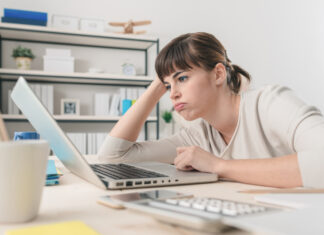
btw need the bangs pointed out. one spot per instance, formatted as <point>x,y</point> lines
<point>177,55</point>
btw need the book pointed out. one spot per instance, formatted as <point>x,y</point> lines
<point>114,106</point>
<point>23,14</point>
<point>52,175</point>
<point>126,104</point>
<point>100,139</point>
<point>50,98</point>
<point>23,21</point>
<point>12,107</point>
<point>101,104</point>
<point>79,140</point>
<point>123,96</point>
<point>44,95</point>
<point>63,228</point>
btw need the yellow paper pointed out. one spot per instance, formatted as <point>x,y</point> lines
<point>65,228</point>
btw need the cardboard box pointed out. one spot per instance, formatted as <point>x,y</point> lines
<point>65,22</point>
<point>58,64</point>
<point>92,25</point>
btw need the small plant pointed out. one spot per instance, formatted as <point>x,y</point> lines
<point>22,52</point>
<point>167,116</point>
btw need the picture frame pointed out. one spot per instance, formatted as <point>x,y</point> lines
<point>70,107</point>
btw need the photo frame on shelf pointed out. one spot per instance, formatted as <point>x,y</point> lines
<point>70,107</point>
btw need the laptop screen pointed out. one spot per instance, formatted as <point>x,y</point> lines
<point>47,127</point>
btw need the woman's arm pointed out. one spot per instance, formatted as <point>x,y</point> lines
<point>131,123</point>
<point>282,172</point>
<point>273,172</point>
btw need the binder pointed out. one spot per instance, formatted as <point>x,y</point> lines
<point>23,21</point>
<point>23,14</point>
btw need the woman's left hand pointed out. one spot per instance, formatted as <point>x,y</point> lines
<point>193,157</point>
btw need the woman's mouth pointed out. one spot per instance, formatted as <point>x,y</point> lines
<point>179,106</point>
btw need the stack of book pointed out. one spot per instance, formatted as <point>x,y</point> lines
<point>94,142</point>
<point>46,94</point>
<point>90,143</point>
<point>52,174</point>
<point>79,140</point>
<point>116,104</point>
<point>24,17</point>
<point>128,97</point>
<point>87,143</point>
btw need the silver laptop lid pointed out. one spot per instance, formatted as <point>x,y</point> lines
<point>46,126</point>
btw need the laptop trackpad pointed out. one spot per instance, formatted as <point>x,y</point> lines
<point>166,169</point>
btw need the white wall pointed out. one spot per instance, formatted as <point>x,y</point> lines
<point>277,41</point>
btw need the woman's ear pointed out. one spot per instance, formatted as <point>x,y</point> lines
<point>220,74</point>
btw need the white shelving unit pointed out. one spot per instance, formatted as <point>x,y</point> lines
<point>86,118</point>
<point>79,78</point>
<point>47,35</point>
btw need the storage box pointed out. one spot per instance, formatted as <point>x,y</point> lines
<point>58,52</point>
<point>65,22</point>
<point>26,15</point>
<point>92,25</point>
<point>59,64</point>
<point>23,21</point>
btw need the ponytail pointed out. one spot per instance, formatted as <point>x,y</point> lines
<point>234,78</point>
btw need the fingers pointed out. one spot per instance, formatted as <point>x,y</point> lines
<point>182,161</point>
<point>181,149</point>
<point>179,157</point>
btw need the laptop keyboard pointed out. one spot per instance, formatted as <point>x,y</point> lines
<point>123,171</point>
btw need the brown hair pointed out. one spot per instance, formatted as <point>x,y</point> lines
<point>201,50</point>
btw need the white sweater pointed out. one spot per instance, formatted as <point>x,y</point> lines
<point>272,122</point>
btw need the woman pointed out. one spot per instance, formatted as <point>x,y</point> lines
<point>266,136</point>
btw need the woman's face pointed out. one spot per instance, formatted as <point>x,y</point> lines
<point>192,92</point>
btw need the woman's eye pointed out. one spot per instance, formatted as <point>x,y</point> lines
<point>168,87</point>
<point>183,78</point>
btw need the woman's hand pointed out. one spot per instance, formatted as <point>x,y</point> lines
<point>193,157</point>
<point>158,85</point>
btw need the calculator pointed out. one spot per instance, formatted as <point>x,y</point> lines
<point>199,213</point>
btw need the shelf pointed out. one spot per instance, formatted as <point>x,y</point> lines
<point>20,32</point>
<point>88,78</point>
<point>71,118</point>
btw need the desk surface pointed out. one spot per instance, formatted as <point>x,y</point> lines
<point>75,199</point>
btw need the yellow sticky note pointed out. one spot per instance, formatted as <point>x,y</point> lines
<point>65,228</point>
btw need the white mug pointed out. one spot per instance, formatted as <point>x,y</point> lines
<point>22,178</point>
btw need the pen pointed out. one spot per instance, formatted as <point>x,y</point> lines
<point>288,190</point>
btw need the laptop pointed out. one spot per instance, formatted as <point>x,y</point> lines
<point>106,176</point>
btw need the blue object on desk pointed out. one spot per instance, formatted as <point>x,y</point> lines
<point>51,168</point>
<point>52,176</point>
<point>26,136</point>
<point>22,14</point>
<point>126,104</point>
<point>23,21</point>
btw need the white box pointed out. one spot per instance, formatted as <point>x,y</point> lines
<point>65,22</point>
<point>58,52</point>
<point>59,64</point>
<point>92,25</point>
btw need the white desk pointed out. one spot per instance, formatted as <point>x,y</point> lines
<point>75,199</point>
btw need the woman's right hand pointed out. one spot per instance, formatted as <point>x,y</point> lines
<point>131,123</point>
<point>159,86</point>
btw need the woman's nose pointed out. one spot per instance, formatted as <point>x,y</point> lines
<point>174,93</point>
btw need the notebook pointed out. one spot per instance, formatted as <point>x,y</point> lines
<point>293,200</point>
<point>64,228</point>
<point>107,176</point>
